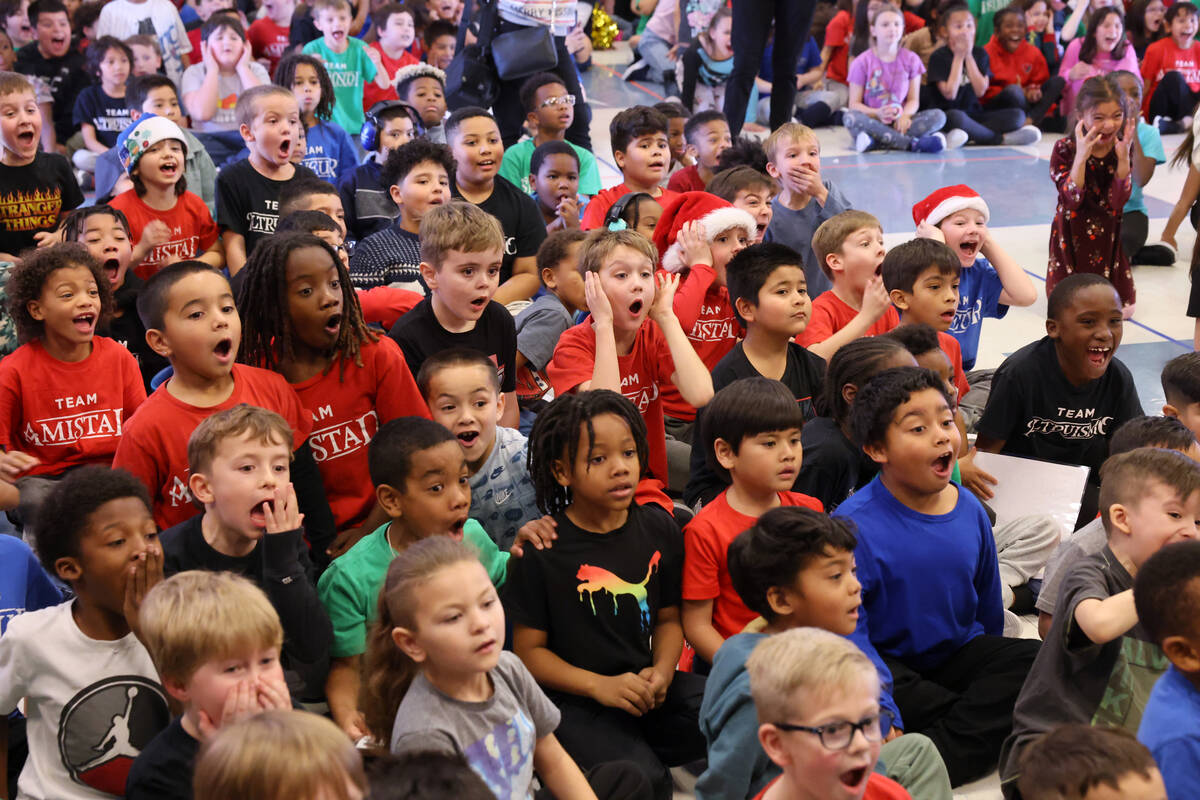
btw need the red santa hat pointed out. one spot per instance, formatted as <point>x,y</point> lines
<point>946,201</point>
<point>714,214</point>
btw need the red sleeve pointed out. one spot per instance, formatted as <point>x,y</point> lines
<point>805,501</point>
<point>690,294</point>
<point>597,207</point>
<point>574,359</point>
<point>701,567</point>
<point>1151,64</point>
<point>396,392</point>
<point>838,29</point>
<point>953,351</point>
<point>10,397</point>
<point>134,451</point>
<point>660,354</point>
<point>822,325</point>
<point>131,375</point>
<point>263,386</point>
<point>206,228</point>
<point>384,305</point>
<point>912,22</point>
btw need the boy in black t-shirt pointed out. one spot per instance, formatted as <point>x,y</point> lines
<point>596,617</point>
<point>51,58</point>
<point>770,299</point>
<point>474,139</point>
<point>37,186</point>
<point>248,190</point>
<point>461,249</point>
<point>1060,398</point>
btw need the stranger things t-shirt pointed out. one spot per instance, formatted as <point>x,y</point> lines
<point>597,595</point>
<point>248,201</point>
<point>32,197</point>
<point>1039,414</point>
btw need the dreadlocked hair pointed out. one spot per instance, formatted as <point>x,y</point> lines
<point>557,436</point>
<point>267,336</point>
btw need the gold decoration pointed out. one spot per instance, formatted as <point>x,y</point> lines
<point>604,29</point>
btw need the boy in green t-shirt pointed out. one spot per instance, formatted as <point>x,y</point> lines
<point>550,110</point>
<point>349,62</point>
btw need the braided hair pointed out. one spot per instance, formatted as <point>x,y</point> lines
<point>556,435</point>
<point>267,335</point>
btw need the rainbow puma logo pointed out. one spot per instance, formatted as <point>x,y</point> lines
<point>595,580</point>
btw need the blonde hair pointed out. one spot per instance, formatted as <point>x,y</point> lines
<point>259,424</point>
<point>787,133</point>
<point>198,616</point>
<point>14,83</point>
<point>275,755</point>
<point>600,244</point>
<point>387,670</point>
<point>832,233</point>
<point>249,101</point>
<point>336,5</point>
<point>812,659</point>
<point>461,226</point>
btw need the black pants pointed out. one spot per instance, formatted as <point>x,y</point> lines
<point>965,705</point>
<point>1012,96</point>
<point>510,114</point>
<point>751,25</point>
<point>986,127</point>
<point>613,780</point>
<point>1135,229</point>
<point>669,736</point>
<point>1172,98</point>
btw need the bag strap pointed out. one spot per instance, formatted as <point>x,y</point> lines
<point>487,24</point>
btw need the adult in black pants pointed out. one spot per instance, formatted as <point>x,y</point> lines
<point>751,26</point>
<point>510,113</point>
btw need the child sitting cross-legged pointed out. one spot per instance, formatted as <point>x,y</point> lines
<point>751,436</point>
<point>770,299</point>
<point>427,698</point>
<point>417,177</point>
<point>596,617</point>
<point>1082,762</point>
<point>65,393</point>
<point>795,568</point>
<point>633,344</point>
<point>815,693</point>
<point>90,712</point>
<point>421,482</point>
<point>215,640</point>
<point>303,321</point>
<point>849,249</point>
<point>239,469</point>
<point>462,389</point>
<point>643,154</point>
<point>956,677</point>
<point>1149,497</point>
<point>1164,593</point>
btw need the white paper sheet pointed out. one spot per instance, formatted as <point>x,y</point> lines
<point>1027,487</point>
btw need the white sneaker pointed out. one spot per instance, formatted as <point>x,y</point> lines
<point>635,71</point>
<point>862,142</point>
<point>956,138</point>
<point>1024,135</point>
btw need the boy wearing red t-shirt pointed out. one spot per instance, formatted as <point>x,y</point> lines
<point>396,31</point>
<point>643,154</point>
<point>849,248</point>
<point>633,344</point>
<point>268,35</point>
<point>1171,72</point>
<point>751,436</point>
<point>697,235</point>
<point>191,320</point>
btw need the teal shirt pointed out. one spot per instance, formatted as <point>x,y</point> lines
<point>515,167</point>
<point>1152,147</point>
<point>349,72</point>
<point>349,588</point>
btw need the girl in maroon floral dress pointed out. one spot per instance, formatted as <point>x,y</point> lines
<point>1091,171</point>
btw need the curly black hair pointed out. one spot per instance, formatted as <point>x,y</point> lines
<point>556,435</point>
<point>63,517</point>
<point>285,76</point>
<point>745,151</point>
<point>27,279</point>
<point>267,337</point>
<point>876,403</point>
<point>404,158</point>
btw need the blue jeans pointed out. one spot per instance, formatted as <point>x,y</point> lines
<point>653,50</point>
<point>885,137</point>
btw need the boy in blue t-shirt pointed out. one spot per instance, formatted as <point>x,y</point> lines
<point>1165,592</point>
<point>991,279</point>
<point>930,581</point>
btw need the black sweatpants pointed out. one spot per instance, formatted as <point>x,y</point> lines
<point>510,114</point>
<point>965,705</point>
<point>668,736</point>
<point>1172,98</point>
<point>612,780</point>
<point>1012,96</point>
<point>751,24</point>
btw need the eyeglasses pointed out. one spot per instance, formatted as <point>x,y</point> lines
<point>566,99</point>
<point>839,735</point>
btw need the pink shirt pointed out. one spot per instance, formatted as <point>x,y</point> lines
<point>1102,64</point>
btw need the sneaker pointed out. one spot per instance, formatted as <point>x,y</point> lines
<point>931,143</point>
<point>956,138</point>
<point>1026,134</point>
<point>1154,255</point>
<point>863,142</point>
<point>636,71</point>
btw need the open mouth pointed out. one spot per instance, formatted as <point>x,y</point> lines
<point>84,323</point>
<point>1098,354</point>
<point>486,647</point>
<point>486,163</point>
<point>468,438</point>
<point>258,514</point>
<point>636,307</point>
<point>948,316</point>
<point>656,165</point>
<point>456,528</point>
<point>853,778</point>
<point>479,303</point>
<point>943,464</point>
<point>760,230</point>
<point>27,138</point>
<point>285,148</point>
<point>224,349</point>
<point>112,268</point>
<point>333,325</point>
<point>168,169</point>
<point>622,491</point>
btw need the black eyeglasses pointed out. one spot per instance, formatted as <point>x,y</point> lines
<point>839,735</point>
<point>566,99</point>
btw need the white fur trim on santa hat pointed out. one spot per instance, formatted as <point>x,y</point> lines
<point>954,204</point>
<point>715,223</point>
